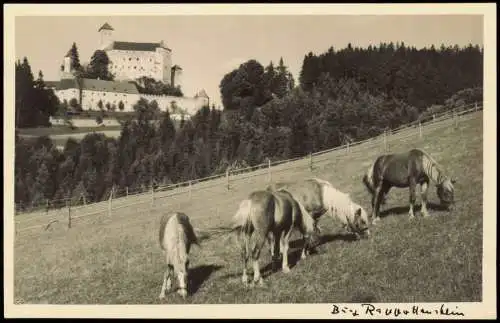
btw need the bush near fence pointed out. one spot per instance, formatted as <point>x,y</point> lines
<point>69,210</point>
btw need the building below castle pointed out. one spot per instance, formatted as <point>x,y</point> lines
<point>129,61</point>
<point>121,96</point>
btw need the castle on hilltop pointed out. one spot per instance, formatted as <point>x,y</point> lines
<point>129,61</point>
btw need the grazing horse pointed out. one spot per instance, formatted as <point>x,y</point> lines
<point>403,170</point>
<point>319,197</point>
<point>176,237</point>
<point>272,217</point>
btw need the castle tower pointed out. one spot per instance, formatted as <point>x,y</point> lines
<point>66,67</point>
<point>106,32</point>
<point>176,76</point>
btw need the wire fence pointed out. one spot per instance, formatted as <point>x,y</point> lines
<point>182,193</point>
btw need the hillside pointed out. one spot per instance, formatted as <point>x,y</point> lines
<point>117,260</point>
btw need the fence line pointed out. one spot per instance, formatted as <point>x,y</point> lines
<point>416,128</point>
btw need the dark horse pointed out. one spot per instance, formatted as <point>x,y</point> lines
<point>403,170</point>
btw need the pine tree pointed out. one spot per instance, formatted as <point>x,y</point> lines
<point>75,58</point>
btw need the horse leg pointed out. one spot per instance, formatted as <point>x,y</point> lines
<point>271,241</point>
<point>167,281</point>
<point>423,188</point>
<point>244,257</point>
<point>259,243</point>
<point>284,250</point>
<point>181,276</point>
<point>305,250</point>
<point>412,189</point>
<point>376,206</point>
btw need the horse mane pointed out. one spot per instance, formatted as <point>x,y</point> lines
<point>339,201</point>
<point>438,178</point>
<point>431,158</point>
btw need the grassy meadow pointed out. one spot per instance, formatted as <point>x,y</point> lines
<point>117,259</point>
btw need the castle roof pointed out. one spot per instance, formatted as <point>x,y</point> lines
<point>132,46</point>
<point>98,85</point>
<point>51,84</point>
<point>106,26</point>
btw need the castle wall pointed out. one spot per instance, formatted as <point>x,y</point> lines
<point>131,65</point>
<point>91,98</point>
<point>67,94</point>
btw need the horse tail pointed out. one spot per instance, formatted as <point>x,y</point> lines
<point>307,220</point>
<point>163,223</point>
<point>242,216</point>
<point>431,168</point>
<point>243,223</point>
<point>368,179</point>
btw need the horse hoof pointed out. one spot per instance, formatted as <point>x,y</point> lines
<point>286,270</point>
<point>261,283</point>
<point>161,297</point>
<point>182,293</point>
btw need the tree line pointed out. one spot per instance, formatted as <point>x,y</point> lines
<point>265,116</point>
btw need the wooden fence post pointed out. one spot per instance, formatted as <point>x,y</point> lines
<point>227,179</point>
<point>152,196</point>
<point>190,190</point>
<point>420,129</point>
<point>310,161</point>
<point>455,116</point>
<point>126,190</point>
<point>68,205</point>
<point>110,201</point>
<point>269,175</point>
<point>475,106</point>
<point>47,206</point>
<point>347,147</point>
<point>433,117</point>
<point>84,199</point>
<point>385,140</point>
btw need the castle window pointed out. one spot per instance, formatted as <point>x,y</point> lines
<point>130,58</point>
<point>137,58</point>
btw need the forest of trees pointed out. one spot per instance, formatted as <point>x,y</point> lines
<point>345,95</point>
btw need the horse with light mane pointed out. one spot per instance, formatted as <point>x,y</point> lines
<point>320,196</point>
<point>407,169</point>
<point>176,238</point>
<point>272,217</point>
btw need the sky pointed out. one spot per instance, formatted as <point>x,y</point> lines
<point>209,46</point>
